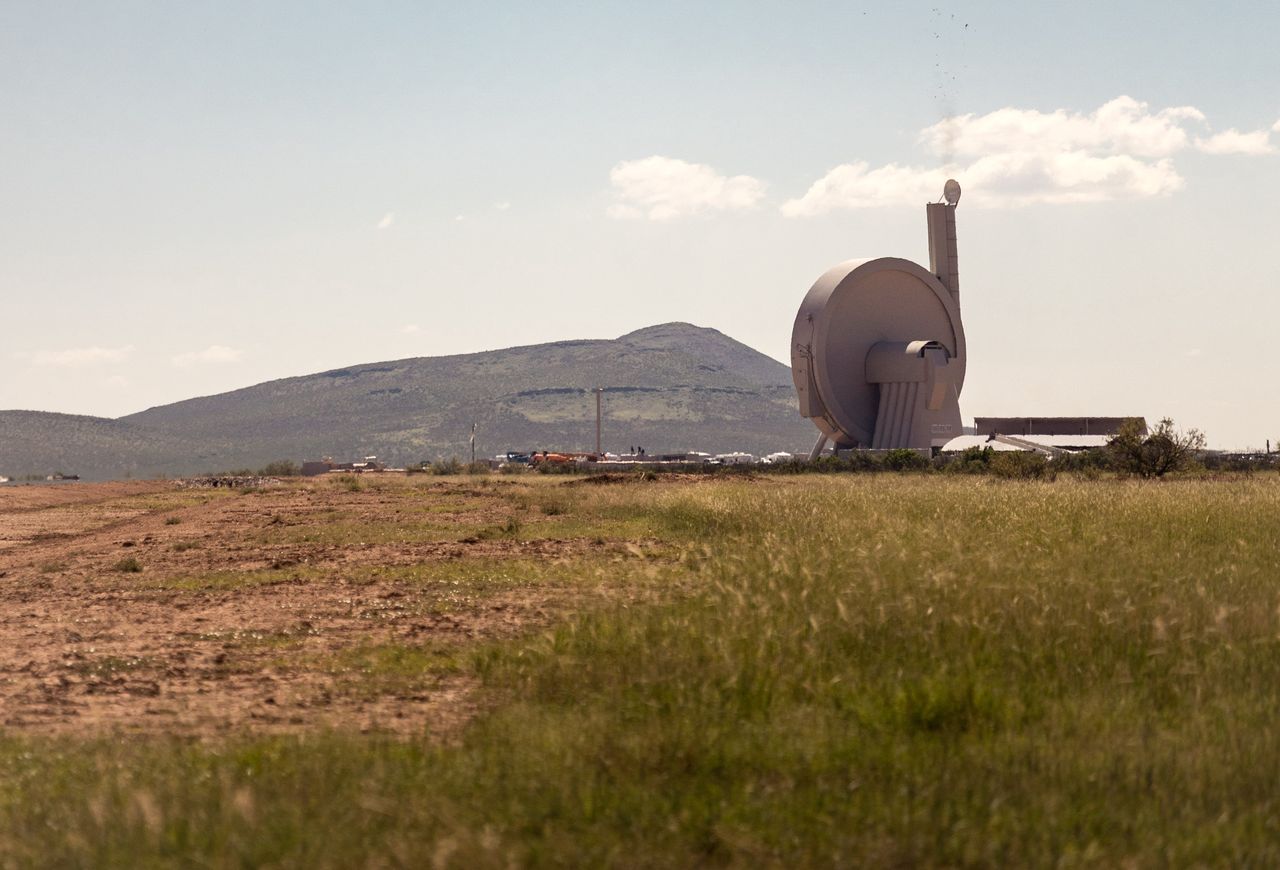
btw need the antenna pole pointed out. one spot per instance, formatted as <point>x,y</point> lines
<point>943,260</point>
<point>598,391</point>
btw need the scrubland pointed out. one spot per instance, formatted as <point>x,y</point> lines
<point>867,670</point>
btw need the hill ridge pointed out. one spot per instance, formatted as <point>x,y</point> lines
<point>672,386</point>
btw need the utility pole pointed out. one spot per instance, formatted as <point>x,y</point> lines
<point>598,391</point>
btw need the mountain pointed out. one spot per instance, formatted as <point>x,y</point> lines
<point>38,442</point>
<point>672,387</point>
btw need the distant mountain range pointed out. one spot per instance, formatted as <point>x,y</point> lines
<point>673,387</point>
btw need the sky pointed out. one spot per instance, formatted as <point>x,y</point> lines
<point>200,197</point>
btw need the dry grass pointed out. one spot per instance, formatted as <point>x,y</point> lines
<point>850,671</point>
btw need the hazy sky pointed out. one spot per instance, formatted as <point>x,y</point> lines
<point>198,197</point>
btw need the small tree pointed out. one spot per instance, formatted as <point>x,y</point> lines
<point>1135,451</point>
<point>280,468</point>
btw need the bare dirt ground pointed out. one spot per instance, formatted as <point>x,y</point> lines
<point>143,606</point>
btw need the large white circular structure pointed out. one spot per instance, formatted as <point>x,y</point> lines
<point>878,349</point>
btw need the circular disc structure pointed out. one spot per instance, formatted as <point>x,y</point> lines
<point>849,310</point>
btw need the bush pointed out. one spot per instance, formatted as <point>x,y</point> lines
<point>508,529</point>
<point>905,459</point>
<point>557,468</point>
<point>974,460</point>
<point>129,565</point>
<point>826,462</point>
<point>452,465</point>
<point>280,468</point>
<point>1244,464</point>
<point>477,467</point>
<point>1165,449</point>
<point>1020,465</point>
<point>1089,463</point>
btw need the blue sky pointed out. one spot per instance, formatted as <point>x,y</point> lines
<point>195,198</point>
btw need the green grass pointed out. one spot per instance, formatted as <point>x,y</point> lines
<point>440,584</point>
<point>372,670</point>
<point>852,671</point>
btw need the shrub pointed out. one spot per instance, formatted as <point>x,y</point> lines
<point>826,462</point>
<point>1245,464</point>
<point>904,459</point>
<point>1020,465</point>
<point>788,466</point>
<point>129,565</point>
<point>1165,449</point>
<point>974,460</point>
<point>280,468</point>
<point>452,465</point>
<point>557,467</point>
<point>509,529</point>
<point>477,467</point>
<point>1089,463</point>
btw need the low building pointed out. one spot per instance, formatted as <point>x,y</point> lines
<point>314,467</point>
<point>323,466</point>
<point>1050,445</point>
<point>1019,426</point>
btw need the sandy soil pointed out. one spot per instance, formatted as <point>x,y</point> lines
<point>246,613</point>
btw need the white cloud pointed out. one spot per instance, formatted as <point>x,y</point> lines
<point>77,357</point>
<point>856,185</point>
<point>1010,180</point>
<point>1013,157</point>
<point>502,206</point>
<point>661,188</point>
<point>1073,176</point>
<point>387,220</point>
<point>459,217</point>
<point>214,354</point>
<point>1234,142</point>
<point>1276,127</point>
<point>1121,126</point>
<point>409,329</point>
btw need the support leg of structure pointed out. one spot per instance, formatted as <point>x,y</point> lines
<point>817,448</point>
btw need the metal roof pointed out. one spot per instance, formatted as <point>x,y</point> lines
<point>1060,442</point>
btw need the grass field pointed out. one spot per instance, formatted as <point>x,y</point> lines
<point>887,670</point>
